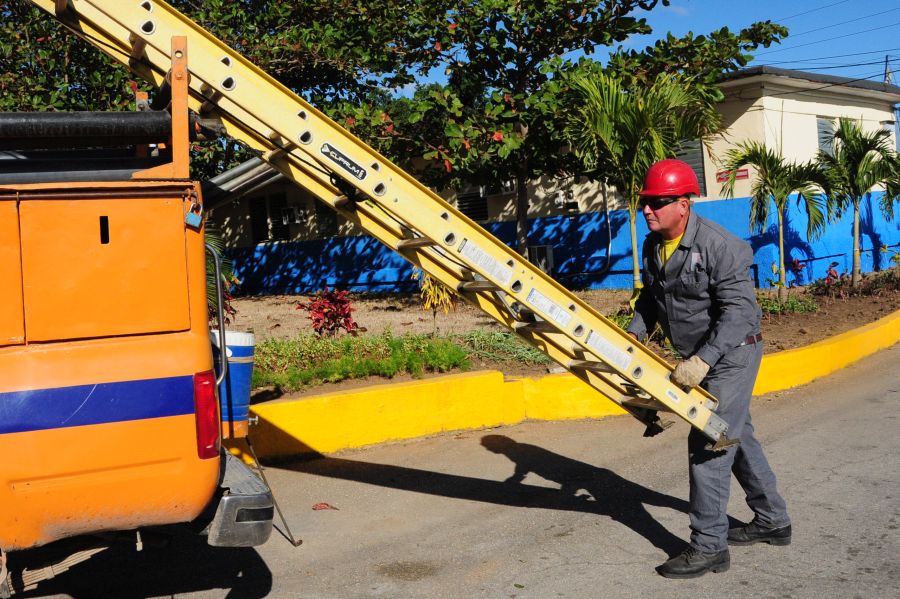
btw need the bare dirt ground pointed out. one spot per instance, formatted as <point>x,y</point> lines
<point>278,316</point>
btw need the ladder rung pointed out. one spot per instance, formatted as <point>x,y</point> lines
<point>654,427</point>
<point>524,313</point>
<point>273,155</point>
<point>477,286</point>
<point>211,96</point>
<point>418,242</point>
<point>645,402</point>
<point>138,45</point>
<point>635,391</point>
<point>538,326</point>
<point>278,151</point>
<point>341,201</point>
<point>590,365</point>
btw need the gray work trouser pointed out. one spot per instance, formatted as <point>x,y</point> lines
<point>731,382</point>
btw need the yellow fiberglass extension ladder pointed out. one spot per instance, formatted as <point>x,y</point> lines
<point>342,171</point>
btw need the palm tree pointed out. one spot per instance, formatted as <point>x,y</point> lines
<point>617,133</point>
<point>776,180</point>
<point>213,237</point>
<point>859,162</point>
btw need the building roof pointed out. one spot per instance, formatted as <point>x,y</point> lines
<point>815,78</point>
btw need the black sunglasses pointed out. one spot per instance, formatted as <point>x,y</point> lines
<point>657,202</point>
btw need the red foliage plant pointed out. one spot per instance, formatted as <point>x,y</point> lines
<point>330,311</point>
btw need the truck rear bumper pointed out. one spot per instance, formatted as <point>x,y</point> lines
<point>246,508</point>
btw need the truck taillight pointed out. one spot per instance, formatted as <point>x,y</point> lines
<point>206,411</point>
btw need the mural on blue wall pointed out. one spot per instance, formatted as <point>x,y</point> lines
<point>579,245</point>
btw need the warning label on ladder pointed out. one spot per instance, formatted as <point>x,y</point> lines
<point>486,262</point>
<point>543,303</point>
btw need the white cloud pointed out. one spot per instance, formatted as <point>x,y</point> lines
<point>681,11</point>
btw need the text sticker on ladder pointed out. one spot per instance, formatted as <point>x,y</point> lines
<point>487,263</point>
<point>609,352</point>
<point>557,313</point>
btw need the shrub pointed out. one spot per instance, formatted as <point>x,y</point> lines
<point>330,311</point>
<point>435,295</point>
<point>873,283</point>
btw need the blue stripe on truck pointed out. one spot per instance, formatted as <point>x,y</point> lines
<point>42,409</point>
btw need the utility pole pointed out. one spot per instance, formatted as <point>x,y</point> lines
<point>889,79</point>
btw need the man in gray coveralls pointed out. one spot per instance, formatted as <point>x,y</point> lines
<point>697,286</point>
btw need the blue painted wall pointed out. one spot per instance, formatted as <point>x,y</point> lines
<point>579,247</point>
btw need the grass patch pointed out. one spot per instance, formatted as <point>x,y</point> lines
<point>501,347</point>
<point>769,304</point>
<point>292,364</point>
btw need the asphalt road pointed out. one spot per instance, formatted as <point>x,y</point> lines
<point>564,509</point>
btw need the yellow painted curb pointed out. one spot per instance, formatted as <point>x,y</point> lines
<point>355,418</point>
<point>564,397</point>
<point>358,417</point>
<point>793,367</point>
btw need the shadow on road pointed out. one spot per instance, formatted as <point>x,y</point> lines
<point>605,492</point>
<point>583,487</point>
<point>172,562</point>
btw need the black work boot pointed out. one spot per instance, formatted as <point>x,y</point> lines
<point>754,533</point>
<point>693,563</point>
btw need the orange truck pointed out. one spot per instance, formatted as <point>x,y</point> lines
<point>109,417</point>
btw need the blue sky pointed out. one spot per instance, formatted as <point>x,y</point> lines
<point>826,36</point>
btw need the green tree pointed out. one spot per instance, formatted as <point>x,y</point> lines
<point>43,68</point>
<point>618,133</point>
<point>703,57</point>
<point>859,162</point>
<point>776,180</point>
<point>498,116</point>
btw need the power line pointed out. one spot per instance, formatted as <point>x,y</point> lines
<point>837,37</point>
<point>842,83</point>
<point>793,35</point>
<point>839,66</point>
<point>811,10</point>
<point>882,51</point>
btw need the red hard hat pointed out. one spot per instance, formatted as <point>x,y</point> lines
<point>670,178</point>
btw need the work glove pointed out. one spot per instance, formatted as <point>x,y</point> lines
<point>690,373</point>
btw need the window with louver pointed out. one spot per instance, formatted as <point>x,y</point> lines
<point>473,205</point>
<point>692,153</point>
<point>825,133</point>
